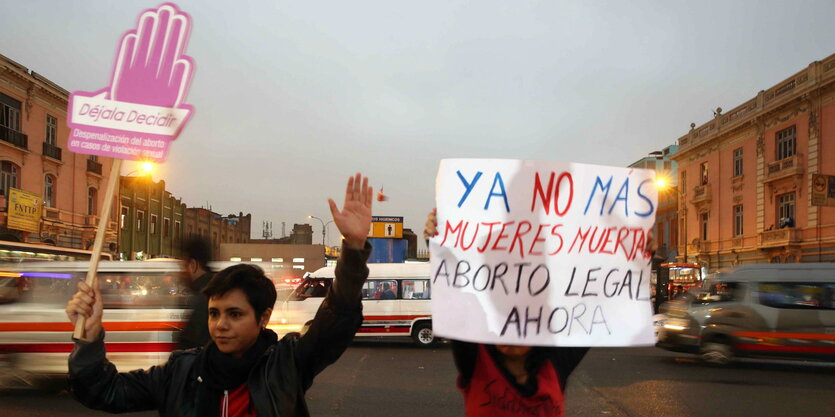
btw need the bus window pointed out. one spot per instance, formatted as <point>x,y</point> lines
<point>379,289</point>
<point>416,289</point>
<point>146,290</point>
<point>312,288</point>
<point>32,287</point>
<point>797,295</point>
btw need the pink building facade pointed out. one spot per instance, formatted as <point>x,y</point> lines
<point>34,157</point>
<point>745,177</point>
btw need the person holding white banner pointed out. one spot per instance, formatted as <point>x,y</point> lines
<point>513,380</point>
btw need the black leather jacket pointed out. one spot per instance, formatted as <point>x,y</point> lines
<point>276,384</point>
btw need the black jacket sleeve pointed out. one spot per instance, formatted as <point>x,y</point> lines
<point>97,384</point>
<point>464,354</point>
<point>565,360</point>
<point>338,318</point>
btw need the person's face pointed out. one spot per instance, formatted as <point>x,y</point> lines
<point>188,270</point>
<point>232,322</point>
<point>513,351</point>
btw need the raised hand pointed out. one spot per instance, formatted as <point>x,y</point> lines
<point>151,65</point>
<point>430,228</point>
<point>354,220</point>
<point>87,302</point>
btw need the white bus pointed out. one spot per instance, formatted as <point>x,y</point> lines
<point>395,300</point>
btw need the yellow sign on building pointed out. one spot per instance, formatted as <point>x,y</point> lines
<point>386,227</point>
<point>823,190</point>
<point>24,211</point>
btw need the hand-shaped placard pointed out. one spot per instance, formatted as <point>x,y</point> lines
<point>142,110</point>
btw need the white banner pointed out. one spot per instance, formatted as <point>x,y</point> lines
<point>132,117</point>
<point>542,253</point>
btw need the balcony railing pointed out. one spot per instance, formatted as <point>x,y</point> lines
<point>701,194</point>
<point>93,166</point>
<point>779,237</point>
<point>783,168</point>
<point>51,151</point>
<point>14,137</point>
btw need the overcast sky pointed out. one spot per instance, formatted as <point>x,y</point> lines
<point>291,97</point>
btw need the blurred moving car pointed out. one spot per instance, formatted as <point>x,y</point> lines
<point>767,310</point>
<point>395,302</point>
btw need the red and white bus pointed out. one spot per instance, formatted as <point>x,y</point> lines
<point>395,302</point>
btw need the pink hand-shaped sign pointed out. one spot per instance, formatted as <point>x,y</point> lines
<point>142,110</point>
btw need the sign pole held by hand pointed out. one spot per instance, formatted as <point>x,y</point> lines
<point>115,173</point>
<point>141,112</point>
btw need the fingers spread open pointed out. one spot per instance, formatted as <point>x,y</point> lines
<point>357,185</point>
<point>349,190</point>
<point>334,208</point>
<point>363,190</point>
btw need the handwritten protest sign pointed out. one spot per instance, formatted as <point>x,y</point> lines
<point>542,253</point>
<point>142,110</point>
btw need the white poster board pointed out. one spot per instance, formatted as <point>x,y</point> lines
<point>542,253</point>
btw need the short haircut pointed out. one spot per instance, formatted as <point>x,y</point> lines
<point>258,289</point>
<point>199,249</point>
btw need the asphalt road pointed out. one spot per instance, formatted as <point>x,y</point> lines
<point>397,379</point>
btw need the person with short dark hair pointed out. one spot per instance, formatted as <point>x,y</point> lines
<point>387,293</point>
<point>245,370</point>
<point>195,274</point>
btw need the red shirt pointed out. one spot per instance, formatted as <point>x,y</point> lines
<point>490,394</point>
<point>236,403</point>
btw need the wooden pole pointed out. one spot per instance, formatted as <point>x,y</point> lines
<point>115,172</point>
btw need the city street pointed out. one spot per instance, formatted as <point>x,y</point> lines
<point>397,379</point>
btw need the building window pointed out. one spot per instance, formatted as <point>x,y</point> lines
<point>93,158</point>
<point>737,162</point>
<point>9,112</point>
<point>123,218</point>
<point>704,218</point>
<point>683,180</point>
<point>91,200</point>
<point>140,218</point>
<point>703,174</point>
<point>51,130</point>
<point>738,220</point>
<point>153,224</point>
<point>786,143</point>
<point>166,227</point>
<point>785,210</point>
<point>49,190</point>
<point>8,177</point>
<point>668,166</point>
<point>177,230</point>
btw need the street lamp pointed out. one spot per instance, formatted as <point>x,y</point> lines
<point>324,226</point>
